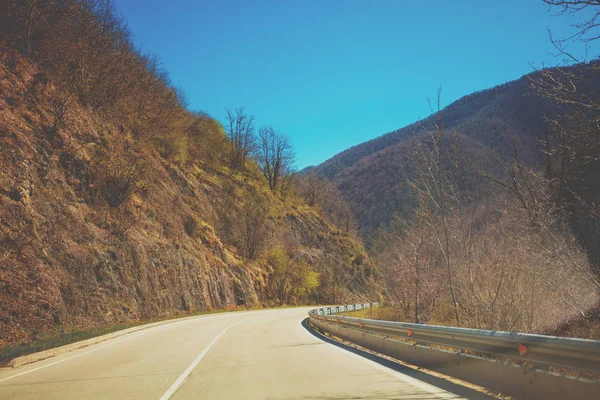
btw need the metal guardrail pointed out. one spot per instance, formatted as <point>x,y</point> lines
<point>417,339</point>
<point>570,353</point>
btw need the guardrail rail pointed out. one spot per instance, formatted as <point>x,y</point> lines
<point>516,364</point>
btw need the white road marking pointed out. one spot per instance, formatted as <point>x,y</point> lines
<point>75,356</point>
<point>439,393</point>
<point>127,337</point>
<point>171,391</point>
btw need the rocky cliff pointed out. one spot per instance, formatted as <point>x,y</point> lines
<point>72,256</point>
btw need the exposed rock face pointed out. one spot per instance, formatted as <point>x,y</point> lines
<point>62,261</point>
<point>68,259</point>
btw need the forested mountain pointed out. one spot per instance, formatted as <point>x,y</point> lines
<point>372,176</point>
<point>486,213</point>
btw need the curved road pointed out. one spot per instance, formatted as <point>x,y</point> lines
<point>266,354</point>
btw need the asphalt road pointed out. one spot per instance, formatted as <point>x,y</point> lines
<point>266,354</point>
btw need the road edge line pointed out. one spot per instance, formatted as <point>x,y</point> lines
<point>57,351</point>
<point>72,357</point>
<point>438,392</point>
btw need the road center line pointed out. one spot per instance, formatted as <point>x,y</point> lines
<point>171,391</point>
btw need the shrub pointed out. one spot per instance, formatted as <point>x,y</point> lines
<point>118,176</point>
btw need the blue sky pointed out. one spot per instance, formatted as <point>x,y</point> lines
<point>334,73</point>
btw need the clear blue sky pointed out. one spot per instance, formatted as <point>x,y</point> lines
<point>335,73</point>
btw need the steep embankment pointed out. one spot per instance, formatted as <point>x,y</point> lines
<point>71,257</point>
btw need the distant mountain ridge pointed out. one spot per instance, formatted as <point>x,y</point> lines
<point>370,175</point>
<point>452,116</point>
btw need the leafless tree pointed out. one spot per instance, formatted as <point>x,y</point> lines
<point>312,188</point>
<point>90,49</point>
<point>240,130</point>
<point>59,103</point>
<point>408,269</point>
<point>318,192</point>
<point>585,31</point>
<point>542,219</point>
<point>437,193</point>
<point>255,212</point>
<point>275,155</point>
<point>30,19</point>
<point>207,138</point>
<point>570,149</point>
<point>289,186</point>
<point>119,174</point>
<point>343,216</point>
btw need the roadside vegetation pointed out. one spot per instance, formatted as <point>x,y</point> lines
<point>524,256</point>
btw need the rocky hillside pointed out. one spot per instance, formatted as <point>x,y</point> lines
<point>98,226</point>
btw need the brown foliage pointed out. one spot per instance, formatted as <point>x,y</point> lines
<point>119,174</point>
<point>253,229</point>
<point>206,139</point>
<point>508,263</point>
<point>321,194</point>
<point>240,130</point>
<point>86,46</point>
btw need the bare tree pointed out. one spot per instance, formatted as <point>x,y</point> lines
<point>585,31</point>
<point>254,225</point>
<point>120,173</point>
<point>542,218</point>
<point>59,103</point>
<point>240,130</point>
<point>275,155</point>
<point>571,145</point>
<point>408,271</point>
<point>289,186</point>
<point>226,211</point>
<point>343,216</point>
<point>437,193</point>
<point>312,188</point>
<point>318,192</point>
